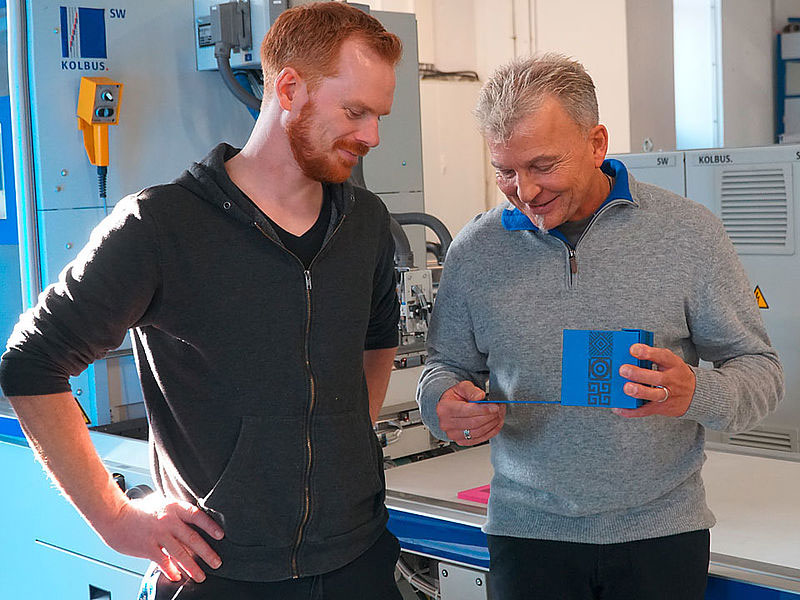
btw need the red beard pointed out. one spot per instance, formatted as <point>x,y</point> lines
<point>316,163</point>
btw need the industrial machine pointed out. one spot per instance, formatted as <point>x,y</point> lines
<point>664,169</point>
<point>186,88</point>
<point>175,109</point>
<point>73,61</point>
<point>399,426</point>
<point>753,191</point>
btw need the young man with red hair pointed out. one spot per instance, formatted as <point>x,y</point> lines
<point>259,286</point>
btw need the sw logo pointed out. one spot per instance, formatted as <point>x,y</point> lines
<point>83,36</point>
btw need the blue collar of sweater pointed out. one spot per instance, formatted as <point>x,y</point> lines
<point>513,219</point>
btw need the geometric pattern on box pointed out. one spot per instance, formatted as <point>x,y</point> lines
<point>590,363</point>
<point>601,346</point>
<point>601,343</point>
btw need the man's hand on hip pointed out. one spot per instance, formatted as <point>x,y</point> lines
<point>465,422</point>
<point>669,389</point>
<point>165,537</point>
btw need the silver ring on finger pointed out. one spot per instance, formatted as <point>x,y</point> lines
<point>666,393</point>
<point>467,434</point>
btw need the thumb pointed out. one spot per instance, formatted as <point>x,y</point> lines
<point>469,391</point>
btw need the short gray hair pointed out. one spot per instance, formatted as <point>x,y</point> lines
<point>519,88</point>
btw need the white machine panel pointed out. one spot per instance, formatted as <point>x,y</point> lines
<point>170,115</point>
<point>664,169</point>
<point>460,583</point>
<point>63,233</point>
<point>753,191</point>
<point>396,165</point>
<point>262,14</point>
<point>73,562</point>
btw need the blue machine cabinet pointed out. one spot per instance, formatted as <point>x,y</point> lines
<point>11,289</point>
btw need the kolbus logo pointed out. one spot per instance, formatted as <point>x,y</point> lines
<point>83,39</point>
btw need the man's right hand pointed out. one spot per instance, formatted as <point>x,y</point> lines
<point>163,535</point>
<point>459,414</point>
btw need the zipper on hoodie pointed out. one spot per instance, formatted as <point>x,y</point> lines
<point>313,395</point>
<point>572,258</point>
<point>312,401</point>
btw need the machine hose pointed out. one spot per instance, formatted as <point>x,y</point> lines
<point>242,79</point>
<point>403,256</point>
<point>439,228</point>
<point>222,52</point>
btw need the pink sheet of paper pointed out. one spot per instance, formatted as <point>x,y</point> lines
<point>478,494</point>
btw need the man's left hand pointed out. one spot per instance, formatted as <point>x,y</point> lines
<point>675,379</point>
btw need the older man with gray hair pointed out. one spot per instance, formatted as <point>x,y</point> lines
<point>590,503</point>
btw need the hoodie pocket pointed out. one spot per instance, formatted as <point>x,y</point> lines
<point>255,500</point>
<point>349,467</point>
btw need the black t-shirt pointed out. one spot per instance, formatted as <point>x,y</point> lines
<point>306,246</point>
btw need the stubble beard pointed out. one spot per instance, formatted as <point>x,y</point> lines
<point>538,220</point>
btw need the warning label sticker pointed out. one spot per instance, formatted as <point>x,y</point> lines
<point>762,303</point>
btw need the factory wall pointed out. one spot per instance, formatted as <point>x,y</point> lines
<point>651,66</point>
<point>782,10</point>
<point>626,46</point>
<point>748,46</point>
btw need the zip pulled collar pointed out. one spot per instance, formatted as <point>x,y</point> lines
<point>513,219</point>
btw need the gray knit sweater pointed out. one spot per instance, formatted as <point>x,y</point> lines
<point>657,262</point>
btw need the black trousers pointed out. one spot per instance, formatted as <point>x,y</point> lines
<point>370,576</point>
<point>667,568</point>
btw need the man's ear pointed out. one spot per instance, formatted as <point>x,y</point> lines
<point>290,88</point>
<point>598,138</point>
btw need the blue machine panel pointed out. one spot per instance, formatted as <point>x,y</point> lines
<point>8,205</point>
<point>11,289</point>
<point>440,538</point>
<point>725,589</point>
<point>11,431</point>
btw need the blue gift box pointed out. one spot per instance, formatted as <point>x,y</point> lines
<point>590,363</point>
